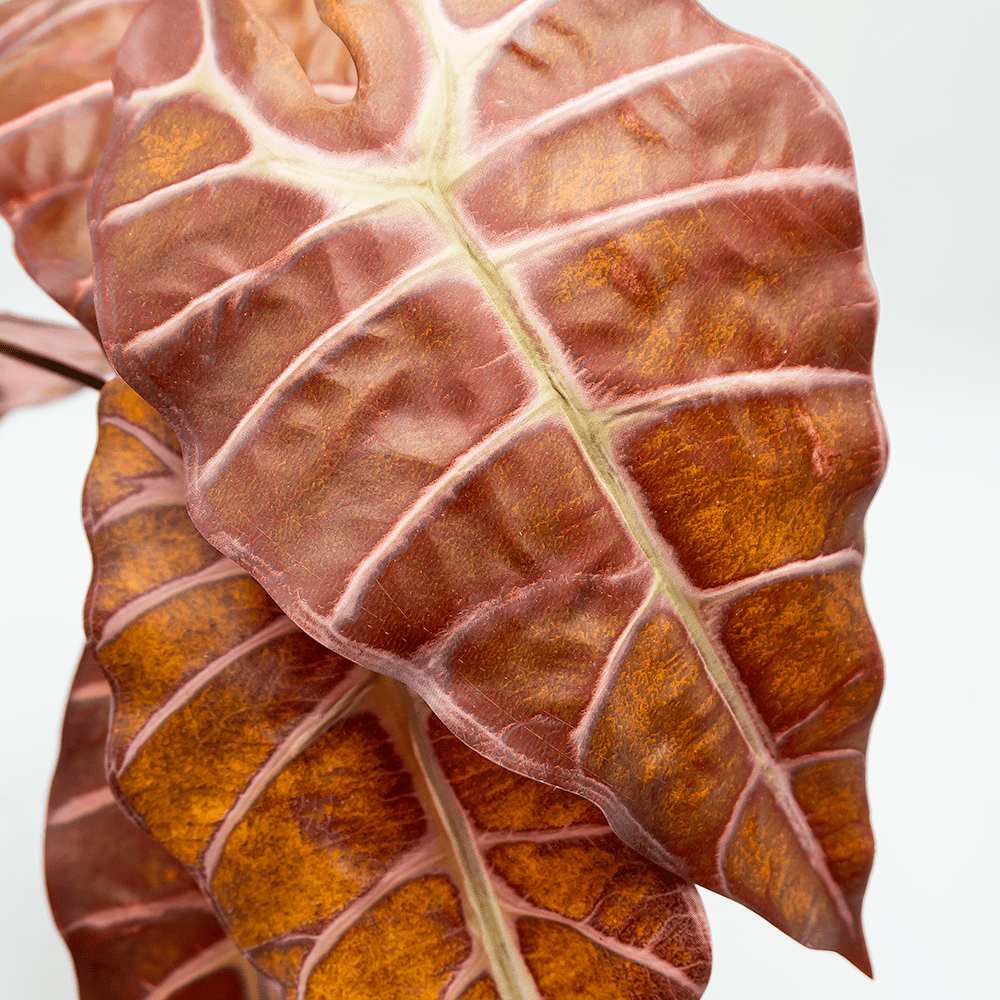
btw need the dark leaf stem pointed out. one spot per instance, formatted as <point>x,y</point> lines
<point>50,364</point>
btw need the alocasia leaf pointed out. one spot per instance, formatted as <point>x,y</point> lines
<point>40,361</point>
<point>354,846</point>
<point>135,922</point>
<point>537,377</point>
<point>56,58</point>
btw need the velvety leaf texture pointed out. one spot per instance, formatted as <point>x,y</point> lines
<point>40,362</point>
<point>536,377</point>
<point>135,922</point>
<point>355,848</point>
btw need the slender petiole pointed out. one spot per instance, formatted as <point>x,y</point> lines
<point>50,364</point>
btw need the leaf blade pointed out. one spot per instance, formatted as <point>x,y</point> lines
<point>337,806</point>
<point>599,270</point>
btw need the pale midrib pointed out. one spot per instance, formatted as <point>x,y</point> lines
<point>510,973</point>
<point>592,436</point>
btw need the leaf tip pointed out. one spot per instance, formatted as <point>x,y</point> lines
<point>857,954</point>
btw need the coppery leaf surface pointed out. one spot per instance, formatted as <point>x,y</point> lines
<point>538,377</point>
<point>356,848</point>
<point>56,59</point>
<point>134,920</point>
<point>23,383</point>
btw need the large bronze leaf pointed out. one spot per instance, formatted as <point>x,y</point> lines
<point>134,921</point>
<point>355,847</point>
<point>56,58</point>
<point>537,377</point>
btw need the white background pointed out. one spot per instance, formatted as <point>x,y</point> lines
<point>917,84</point>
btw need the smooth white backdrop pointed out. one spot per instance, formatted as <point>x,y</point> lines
<point>917,84</point>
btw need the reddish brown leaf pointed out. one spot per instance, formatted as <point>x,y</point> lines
<point>56,58</point>
<point>135,922</point>
<point>537,377</point>
<point>355,847</point>
<point>55,111</point>
<point>40,361</point>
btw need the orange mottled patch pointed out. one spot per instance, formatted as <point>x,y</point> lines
<point>282,680</point>
<point>567,964</point>
<point>498,799</point>
<point>118,400</point>
<point>484,988</point>
<point>666,741</point>
<point>769,871</point>
<point>800,645</point>
<point>176,639</point>
<point>172,548</point>
<point>568,877</point>
<point>281,961</point>
<point>177,141</point>
<point>107,482</point>
<point>700,294</point>
<point>597,880</point>
<point>407,945</point>
<point>742,487</point>
<point>343,812</point>
<point>832,795</point>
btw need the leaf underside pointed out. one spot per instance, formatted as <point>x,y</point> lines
<point>537,377</point>
<point>134,921</point>
<point>354,847</point>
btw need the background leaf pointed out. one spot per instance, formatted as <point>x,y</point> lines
<point>23,382</point>
<point>55,111</point>
<point>549,395</point>
<point>354,846</point>
<point>56,58</point>
<point>134,921</point>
